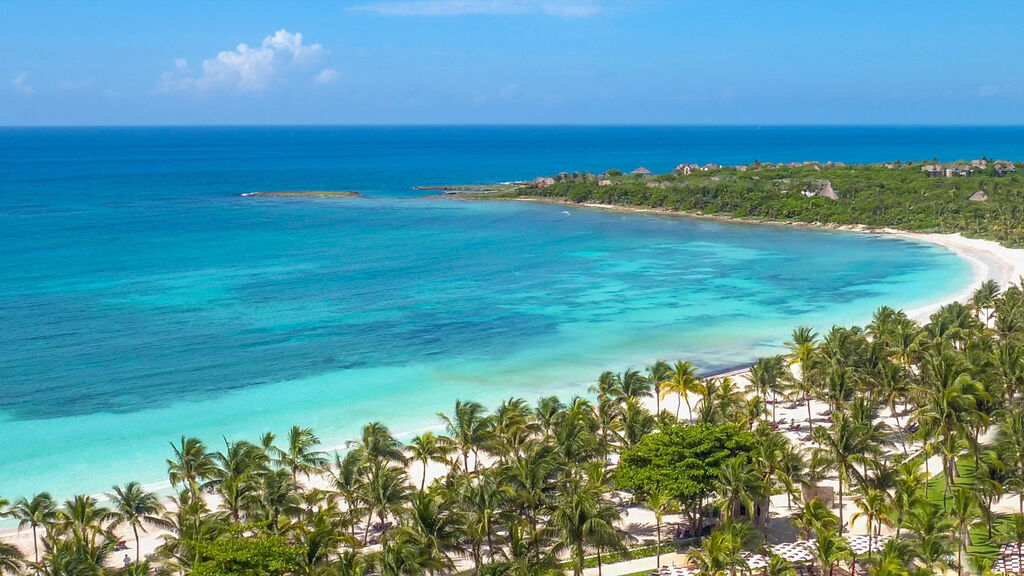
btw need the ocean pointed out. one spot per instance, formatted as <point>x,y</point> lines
<point>143,298</point>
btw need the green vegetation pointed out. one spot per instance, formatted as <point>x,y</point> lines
<point>899,196</point>
<point>240,555</point>
<point>920,429</point>
<point>682,462</point>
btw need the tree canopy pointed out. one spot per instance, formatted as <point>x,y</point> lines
<point>681,460</point>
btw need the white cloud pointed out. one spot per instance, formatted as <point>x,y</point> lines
<point>326,76</point>
<point>561,8</point>
<point>246,69</point>
<point>20,84</point>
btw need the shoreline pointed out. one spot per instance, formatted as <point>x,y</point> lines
<point>988,260</point>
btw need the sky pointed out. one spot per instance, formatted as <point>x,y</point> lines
<point>511,62</point>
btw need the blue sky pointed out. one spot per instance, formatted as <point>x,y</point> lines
<point>511,62</point>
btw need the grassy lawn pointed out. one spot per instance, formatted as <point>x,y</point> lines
<point>981,546</point>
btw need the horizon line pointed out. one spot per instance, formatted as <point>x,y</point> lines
<point>514,125</point>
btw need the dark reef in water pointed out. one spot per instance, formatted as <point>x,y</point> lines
<point>307,194</point>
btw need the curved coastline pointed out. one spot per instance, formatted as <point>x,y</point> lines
<point>988,260</point>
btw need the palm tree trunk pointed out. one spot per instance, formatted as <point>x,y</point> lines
<point>366,533</point>
<point>678,399</point>
<point>35,543</point>
<point>135,531</point>
<point>657,562</point>
<point>423,481</point>
<point>840,504</point>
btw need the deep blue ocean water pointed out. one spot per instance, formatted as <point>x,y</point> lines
<point>144,298</point>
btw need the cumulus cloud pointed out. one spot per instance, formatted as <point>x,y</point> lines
<point>326,76</point>
<point>246,68</point>
<point>20,84</point>
<point>562,8</point>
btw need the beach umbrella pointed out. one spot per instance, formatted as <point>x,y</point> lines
<point>1012,549</point>
<point>1008,565</point>
<point>674,571</point>
<point>799,552</point>
<point>860,543</point>
<point>754,561</point>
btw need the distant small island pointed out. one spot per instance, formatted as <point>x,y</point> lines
<point>980,198</point>
<point>305,194</point>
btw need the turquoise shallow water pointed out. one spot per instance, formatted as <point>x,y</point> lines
<point>145,299</point>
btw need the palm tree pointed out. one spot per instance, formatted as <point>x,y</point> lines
<point>661,503</point>
<point>11,560</point>
<point>531,478</point>
<point>802,347</point>
<point>236,473</point>
<point>519,559</point>
<point>135,507</point>
<point>721,552</point>
<point>469,429</point>
<point>657,374</point>
<point>983,299</point>
<point>40,511</point>
<point>426,448</point>
<point>301,455</point>
<point>683,382</point>
<point>82,517</point>
<point>634,384</point>
<point>739,484</point>
<point>191,463</point>
<point>433,524</point>
<point>829,550</point>
<point>583,520</point>
<point>871,506</point>
<point>779,566</point>
<point>840,447</point>
<point>385,492</point>
<point>1010,443</point>
<point>814,517</point>
<point>766,377</point>
<point>964,512</point>
<point>376,444</point>
<point>637,422</point>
